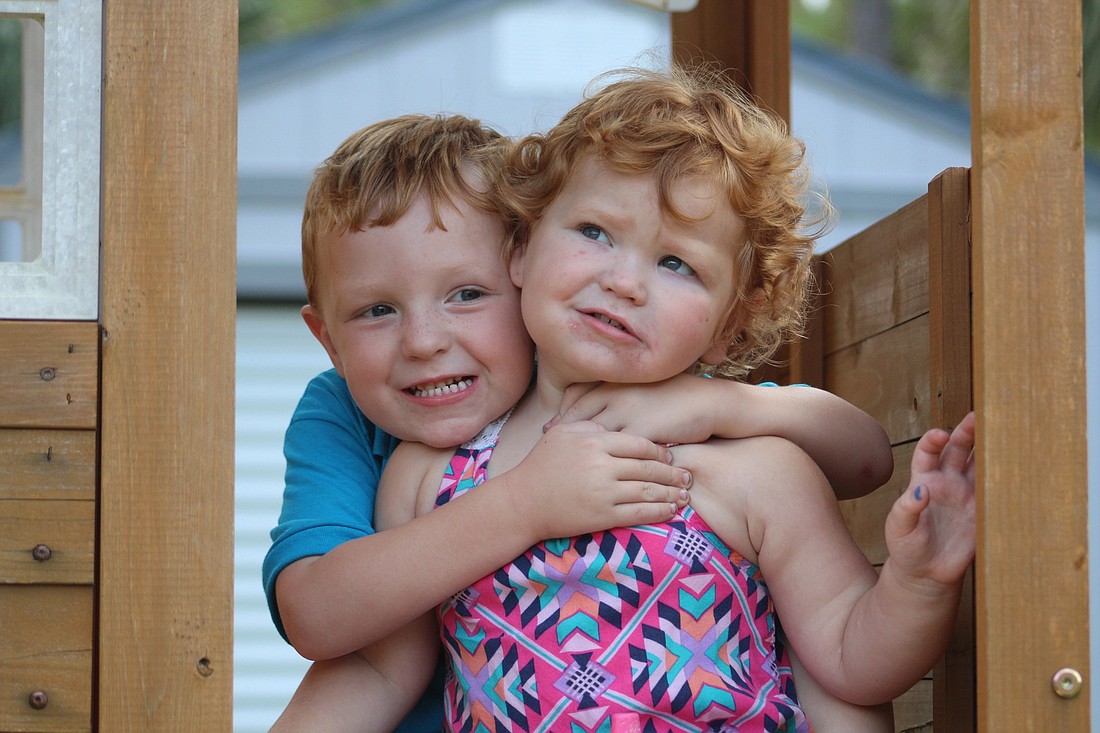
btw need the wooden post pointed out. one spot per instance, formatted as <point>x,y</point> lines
<point>1029,378</point>
<point>751,39</point>
<point>165,550</point>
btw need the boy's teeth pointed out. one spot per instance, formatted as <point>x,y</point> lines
<point>438,389</point>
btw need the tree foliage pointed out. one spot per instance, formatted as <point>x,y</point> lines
<point>929,42</point>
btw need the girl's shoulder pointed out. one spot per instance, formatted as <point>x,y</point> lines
<point>740,486</point>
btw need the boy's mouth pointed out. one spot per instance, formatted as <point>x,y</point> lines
<point>438,389</point>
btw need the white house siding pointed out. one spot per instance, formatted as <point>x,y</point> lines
<point>276,356</point>
<point>518,64</point>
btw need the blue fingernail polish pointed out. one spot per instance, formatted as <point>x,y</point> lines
<point>916,492</point>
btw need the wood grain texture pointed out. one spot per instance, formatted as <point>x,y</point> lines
<point>168,305</point>
<point>47,464</point>
<point>65,528</point>
<point>47,647</point>
<point>1029,375</point>
<point>749,39</point>
<point>48,374</point>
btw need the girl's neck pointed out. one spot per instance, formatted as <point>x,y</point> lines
<point>525,426</point>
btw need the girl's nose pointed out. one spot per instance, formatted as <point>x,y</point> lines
<point>424,336</point>
<point>625,278</point>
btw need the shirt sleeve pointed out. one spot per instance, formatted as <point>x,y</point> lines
<point>334,459</point>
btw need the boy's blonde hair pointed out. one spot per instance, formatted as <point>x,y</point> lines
<point>690,122</point>
<point>375,176</point>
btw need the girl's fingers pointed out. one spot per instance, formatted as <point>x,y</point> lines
<point>958,453</point>
<point>905,516</point>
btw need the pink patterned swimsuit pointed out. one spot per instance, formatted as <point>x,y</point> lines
<point>651,628</point>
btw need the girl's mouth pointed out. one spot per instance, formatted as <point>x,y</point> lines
<point>609,321</point>
<point>438,389</point>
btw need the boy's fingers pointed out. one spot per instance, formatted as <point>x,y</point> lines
<point>647,513</point>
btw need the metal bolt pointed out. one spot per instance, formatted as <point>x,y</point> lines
<point>38,699</point>
<point>1067,683</point>
<point>47,374</point>
<point>42,553</point>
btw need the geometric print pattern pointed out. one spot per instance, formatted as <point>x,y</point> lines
<point>651,628</point>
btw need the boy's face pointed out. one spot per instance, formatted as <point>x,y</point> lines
<point>616,290</point>
<point>424,324</point>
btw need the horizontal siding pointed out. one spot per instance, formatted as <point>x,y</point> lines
<point>276,357</point>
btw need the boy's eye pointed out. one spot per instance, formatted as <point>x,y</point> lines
<point>467,295</point>
<point>677,265</point>
<point>378,311</point>
<point>593,232</point>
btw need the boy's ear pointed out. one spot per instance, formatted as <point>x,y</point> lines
<point>515,268</point>
<point>316,324</point>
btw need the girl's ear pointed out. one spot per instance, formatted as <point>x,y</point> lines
<point>515,267</point>
<point>716,354</point>
<point>316,323</point>
<point>726,338</point>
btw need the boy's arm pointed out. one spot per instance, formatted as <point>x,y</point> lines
<point>367,587</point>
<point>366,692</point>
<point>849,446</point>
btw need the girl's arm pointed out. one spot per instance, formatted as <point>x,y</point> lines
<point>829,714</point>
<point>866,638</point>
<point>365,588</point>
<point>849,446</point>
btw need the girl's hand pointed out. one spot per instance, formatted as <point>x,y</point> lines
<point>580,478</point>
<point>930,530</point>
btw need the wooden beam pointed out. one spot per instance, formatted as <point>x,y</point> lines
<point>1029,337</point>
<point>165,553</point>
<point>751,39</point>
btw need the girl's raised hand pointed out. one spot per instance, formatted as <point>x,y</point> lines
<point>930,530</point>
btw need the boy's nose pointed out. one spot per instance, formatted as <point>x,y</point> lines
<point>424,336</point>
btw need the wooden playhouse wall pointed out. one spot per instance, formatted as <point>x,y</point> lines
<point>116,436</point>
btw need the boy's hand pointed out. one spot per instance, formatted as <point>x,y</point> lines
<point>580,478</point>
<point>677,410</point>
<point>930,530</point>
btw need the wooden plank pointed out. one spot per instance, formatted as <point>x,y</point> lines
<point>877,278</point>
<point>750,39</point>
<point>913,710</point>
<point>866,516</point>
<point>1029,372</point>
<point>48,374</point>
<point>47,541</point>
<point>167,305</point>
<point>952,397</point>
<point>47,464</point>
<point>887,377</point>
<point>47,648</point>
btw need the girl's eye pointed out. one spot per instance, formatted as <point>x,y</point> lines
<point>378,311</point>
<point>591,231</point>
<point>467,295</point>
<point>677,265</point>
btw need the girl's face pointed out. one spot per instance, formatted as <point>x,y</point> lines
<point>424,323</point>
<point>614,289</point>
